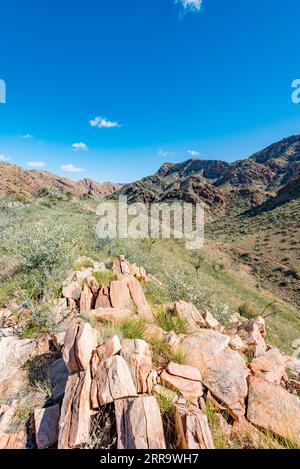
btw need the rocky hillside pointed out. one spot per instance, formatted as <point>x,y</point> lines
<point>118,373</point>
<point>221,185</point>
<point>16,181</point>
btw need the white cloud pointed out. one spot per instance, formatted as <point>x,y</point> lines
<point>194,153</point>
<point>27,136</point>
<point>191,5</point>
<point>103,123</point>
<point>70,168</point>
<point>163,153</point>
<point>4,158</point>
<point>80,147</point>
<point>36,164</point>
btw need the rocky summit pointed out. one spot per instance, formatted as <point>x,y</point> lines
<point>111,377</point>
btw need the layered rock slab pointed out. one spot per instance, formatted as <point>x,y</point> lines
<point>139,424</point>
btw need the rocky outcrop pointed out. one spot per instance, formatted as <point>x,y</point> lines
<point>117,386</point>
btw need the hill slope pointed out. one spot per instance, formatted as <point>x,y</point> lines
<point>15,180</point>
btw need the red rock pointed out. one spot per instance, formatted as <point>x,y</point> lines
<point>184,371</point>
<point>86,300</point>
<point>139,424</point>
<point>190,390</point>
<point>103,300</point>
<point>120,295</point>
<point>192,428</point>
<point>270,367</point>
<point>113,381</point>
<point>137,355</point>
<point>190,313</point>
<point>139,299</point>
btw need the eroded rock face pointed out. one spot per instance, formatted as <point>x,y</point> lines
<point>192,428</point>
<point>46,426</point>
<point>139,424</point>
<point>273,408</point>
<point>112,381</point>
<point>190,313</point>
<point>74,423</point>
<point>137,354</point>
<point>270,367</point>
<point>14,352</point>
<point>10,439</point>
<point>184,371</point>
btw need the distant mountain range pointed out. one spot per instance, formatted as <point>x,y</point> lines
<point>15,180</point>
<point>271,176</point>
<point>271,173</point>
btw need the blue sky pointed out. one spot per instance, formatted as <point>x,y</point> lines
<point>159,80</point>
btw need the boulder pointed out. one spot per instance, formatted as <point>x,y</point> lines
<point>74,423</point>
<point>225,375</point>
<point>139,424</point>
<point>120,295</point>
<point>46,426</point>
<point>192,429</point>
<point>113,315</point>
<point>184,371</point>
<point>110,347</point>
<point>204,345</point>
<point>72,290</point>
<point>190,313</point>
<point>86,300</point>
<point>273,408</point>
<point>86,341</point>
<point>210,321</point>
<point>270,367</point>
<point>14,352</point>
<point>112,381</point>
<point>137,355</point>
<point>190,390</point>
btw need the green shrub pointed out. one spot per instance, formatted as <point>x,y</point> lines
<point>104,278</point>
<point>247,311</point>
<point>133,328</point>
<point>169,322</point>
